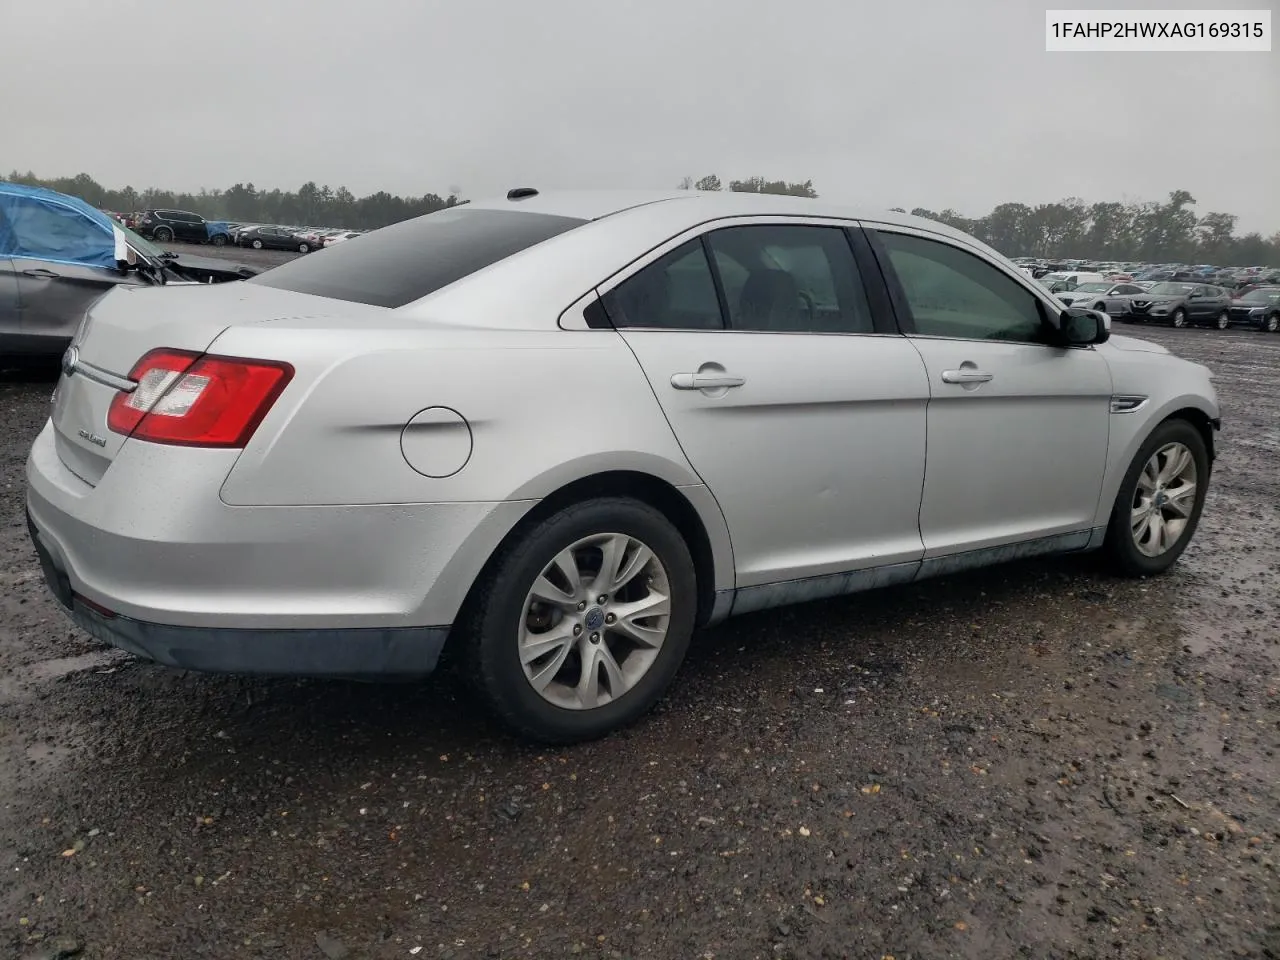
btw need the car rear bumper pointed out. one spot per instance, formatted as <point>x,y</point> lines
<point>350,653</point>
<point>152,560</point>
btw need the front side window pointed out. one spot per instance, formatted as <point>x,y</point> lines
<point>953,293</point>
<point>53,232</point>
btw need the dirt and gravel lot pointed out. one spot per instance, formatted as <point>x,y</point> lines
<point>1035,761</point>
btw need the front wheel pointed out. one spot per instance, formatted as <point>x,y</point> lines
<point>1160,500</point>
<point>257,244</point>
<point>1223,320</point>
<point>583,621</point>
<point>219,240</point>
<point>1272,323</point>
<point>1179,318</point>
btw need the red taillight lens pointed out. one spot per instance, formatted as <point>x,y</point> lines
<point>197,400</point>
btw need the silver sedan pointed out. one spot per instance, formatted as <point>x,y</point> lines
<point>557,433</point>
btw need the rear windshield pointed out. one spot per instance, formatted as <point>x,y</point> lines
<point>406,261</point>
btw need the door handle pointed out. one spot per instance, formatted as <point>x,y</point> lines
<point>41,273</point>
<point>704,381</point>
<point>966,376</point>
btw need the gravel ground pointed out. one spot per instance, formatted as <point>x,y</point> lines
<point>1035,760</point>
<point>262,259</point>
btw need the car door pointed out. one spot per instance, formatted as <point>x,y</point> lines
<point>1217,301</point>
<point>1017,428</point>
<point>8,301</point>
<point>196,227</point>
<point>790,392</point>
<point>58,259</point>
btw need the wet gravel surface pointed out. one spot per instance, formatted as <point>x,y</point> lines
<point>1036,760</point>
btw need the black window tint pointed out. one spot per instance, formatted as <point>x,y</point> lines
<point>406,261</point>
<point>953,293</point>
<point>675,292</point>
<point>790,279</point>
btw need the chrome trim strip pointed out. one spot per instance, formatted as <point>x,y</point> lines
<point>1127,403</point>
<point>104,377</point>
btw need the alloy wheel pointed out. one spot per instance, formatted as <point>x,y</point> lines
<point>1164,499</point>
<point>594,621</point>
<point>1224,320</point>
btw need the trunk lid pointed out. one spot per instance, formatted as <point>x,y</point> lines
<point>124,325</point>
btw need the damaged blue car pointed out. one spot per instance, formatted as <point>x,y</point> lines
<point>59,254</point>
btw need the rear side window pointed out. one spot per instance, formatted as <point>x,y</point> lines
<point>407,261</point>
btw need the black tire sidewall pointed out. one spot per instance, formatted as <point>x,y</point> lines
<point>495,664</point>
<point>163,235</point>
<point>1124,552</point>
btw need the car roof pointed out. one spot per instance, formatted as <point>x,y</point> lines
<point>699,205</point>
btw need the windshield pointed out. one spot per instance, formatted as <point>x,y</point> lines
<point>1093,288</point>
<point>1264,295</point>
<point>1173,289</point>
<point>144,247</point>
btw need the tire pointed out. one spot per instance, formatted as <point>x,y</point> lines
<point>1122,543</point>
<point>304,248</point>
<point>502,610</point>
<point>257,244</point>
<point>1271,324</point>
<point>163,235</point>
<point>1179,318</point>
<point>219,240</point>
<point>1223,320</point>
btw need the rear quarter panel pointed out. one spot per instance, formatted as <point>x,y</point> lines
<point>544,408</point>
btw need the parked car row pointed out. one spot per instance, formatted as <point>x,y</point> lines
<point>1235,279</point>
<point>301,239</point>
<point>167,225</point>
<point>1176,303</point>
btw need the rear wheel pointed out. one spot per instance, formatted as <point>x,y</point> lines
<point>582,623</point>
<point>219,240</point>
<point>1223,320</point>
<point>163,234</point>
<point>1160,500</point>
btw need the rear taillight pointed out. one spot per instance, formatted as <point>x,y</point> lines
<point>197,400</point>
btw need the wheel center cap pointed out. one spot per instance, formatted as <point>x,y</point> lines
<point>1161,498</point>
<point>595,618</point>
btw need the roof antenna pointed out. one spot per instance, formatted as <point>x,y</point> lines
<point>521,193</point>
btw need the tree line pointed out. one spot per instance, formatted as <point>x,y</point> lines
<point>1158,232</point>
<point>1169,232</point>
<point>309,205</point>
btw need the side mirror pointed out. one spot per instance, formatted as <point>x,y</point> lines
<point>1080,327</point>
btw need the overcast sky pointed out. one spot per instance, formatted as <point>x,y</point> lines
<point>935,103</point>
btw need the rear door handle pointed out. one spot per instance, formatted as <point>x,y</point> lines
<point>705,381</point>
<point>966,376</point>
<point>42,273</point>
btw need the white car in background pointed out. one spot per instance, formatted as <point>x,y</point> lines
<point>558,433</point>
<point>340,236</point>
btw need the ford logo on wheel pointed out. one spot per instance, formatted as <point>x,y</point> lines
<point>70,360</point>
